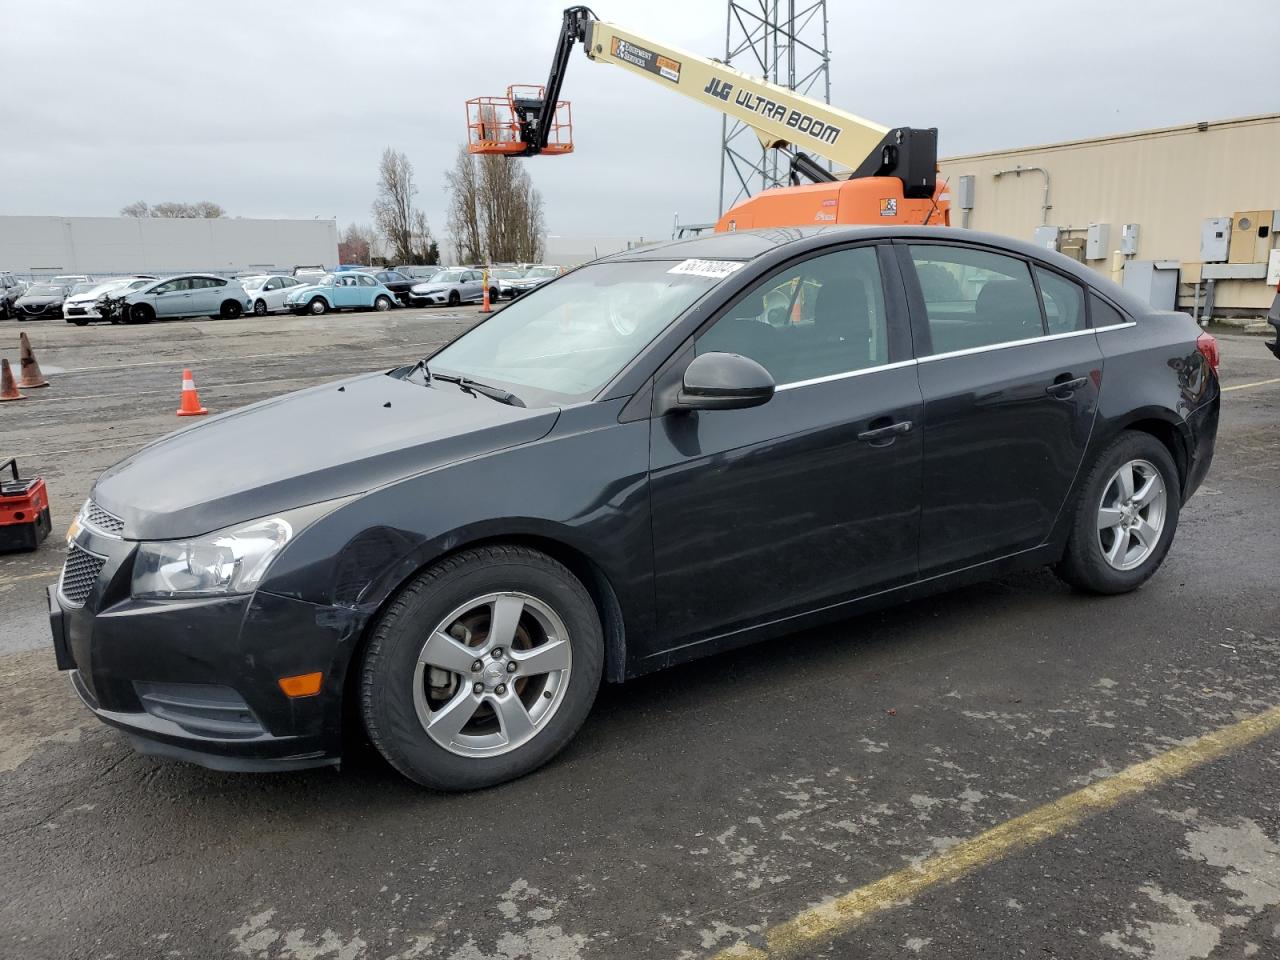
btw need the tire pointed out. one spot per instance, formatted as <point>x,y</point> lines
<point>398,696</point>
<point>259,308</point>
<point>454,299</point>
<point>317,306</point>
<point>382,304</point>
<point>79,323</point>
<point>140,313</point>
<point>230,310</point>
<point>1102,557</point>
<point>493,294</point>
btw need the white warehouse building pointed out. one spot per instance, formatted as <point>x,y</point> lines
<point>35,246</point>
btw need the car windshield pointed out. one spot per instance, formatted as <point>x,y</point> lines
<point>447,276</point>
<point>252,283</point>
<point>563,342</point>
<point>45,290</point>
<point>82,288</point>
<point>328,280</point>
<point>504,274</point>
<point>542,272</point>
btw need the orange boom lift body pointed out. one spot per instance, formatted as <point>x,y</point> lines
<point>893,171</point>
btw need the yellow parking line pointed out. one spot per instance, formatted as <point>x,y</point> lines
<point>40,575</point>
<point>1246,386</point>
<point>822,923</point>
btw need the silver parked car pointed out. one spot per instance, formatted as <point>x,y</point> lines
<point>268,292</point>
<point>453,286</point>
<point>189,295</point>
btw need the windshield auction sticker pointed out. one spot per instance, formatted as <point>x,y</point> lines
<point>715,269</point>
<point>646,59</point>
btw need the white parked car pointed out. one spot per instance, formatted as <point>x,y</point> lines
<point>187,295</point>
<point>82,305</point>
<point>268,292</point>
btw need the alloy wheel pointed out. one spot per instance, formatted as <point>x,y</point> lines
<point>1131,514</point>
<point>492,674</point>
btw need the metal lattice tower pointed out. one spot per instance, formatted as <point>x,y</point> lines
<point>785,42</point>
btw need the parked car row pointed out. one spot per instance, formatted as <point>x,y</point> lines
<point>81,300</point>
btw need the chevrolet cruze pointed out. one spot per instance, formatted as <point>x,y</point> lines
<point>659,456</point>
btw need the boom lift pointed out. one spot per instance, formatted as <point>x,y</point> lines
<point>894,170</point>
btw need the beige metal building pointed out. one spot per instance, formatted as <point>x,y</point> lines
<point>1184,204</point>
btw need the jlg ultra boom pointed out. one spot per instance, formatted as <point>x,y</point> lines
<point>894,170</point>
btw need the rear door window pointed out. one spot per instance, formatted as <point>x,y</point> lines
<point>975,298</point>
<point>1063,302</point>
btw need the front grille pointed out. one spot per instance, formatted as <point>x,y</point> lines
<point>99,519</point>
<point>76,311</point>
<point>79,574</point>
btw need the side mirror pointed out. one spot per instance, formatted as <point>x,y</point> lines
<point>724,381</point>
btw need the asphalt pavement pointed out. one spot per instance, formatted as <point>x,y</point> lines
<point>1009,770</point>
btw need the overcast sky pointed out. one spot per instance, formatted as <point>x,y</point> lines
<point>280,108</point>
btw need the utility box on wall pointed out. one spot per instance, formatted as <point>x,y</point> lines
<point>964,192</point>
<point>1046,236</point>
<point>1155,281</point>
<point>1073,247</point>
<point>1098,242</point>
<point>1215,238</point>
<point>1250,236</point>
<point>1129,239</point>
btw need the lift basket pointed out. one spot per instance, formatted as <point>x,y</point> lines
<point>499,125</point>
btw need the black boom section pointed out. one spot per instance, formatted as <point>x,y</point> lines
<point>908,153</point>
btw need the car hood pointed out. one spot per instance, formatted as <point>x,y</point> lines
<point>318,444</point>
<point>307,288</point>
<point>41,301</point>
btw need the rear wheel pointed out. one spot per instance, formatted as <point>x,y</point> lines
<point>482,669</point>
<point>493,294</point>
<point>317,306</point>
<point>1125,517</point>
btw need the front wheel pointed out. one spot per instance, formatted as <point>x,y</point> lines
<point>317,306</point>
<point>482,669</point>
<point>382,304</point>
<point>454,299</point>
<point>140,313</point>
<point>230,310</point>
<point>259,308</point>
<point>1125,517</point>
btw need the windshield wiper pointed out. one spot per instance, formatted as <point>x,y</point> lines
<point>475,386</point>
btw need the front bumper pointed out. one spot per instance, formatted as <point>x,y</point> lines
<point>81,311</point>
<point>431,298</point>
<point>197,680</point>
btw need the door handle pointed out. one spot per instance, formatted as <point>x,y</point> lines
<point>881,434</point>
<point>1066,387</point>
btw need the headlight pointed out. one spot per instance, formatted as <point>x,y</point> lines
<point>227,562</point>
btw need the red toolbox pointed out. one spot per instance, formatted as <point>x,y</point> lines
<point>24,510</point>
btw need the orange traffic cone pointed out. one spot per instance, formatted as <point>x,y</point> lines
<point>190,399</point>
<point>8,389</point>
<point>31,377</point>
<point>484,303</point>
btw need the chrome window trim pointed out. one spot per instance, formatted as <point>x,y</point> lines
<point>1018,343</point>
<point>846,375</point>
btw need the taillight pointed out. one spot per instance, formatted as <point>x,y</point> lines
<point>1208,348</point>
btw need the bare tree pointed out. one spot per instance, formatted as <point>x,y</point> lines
<point>171,209</point>
<point>494,211</point>
<point>393,210</point>
<point>463,185</point>
<point>425,248</point>
<point>356,245</point>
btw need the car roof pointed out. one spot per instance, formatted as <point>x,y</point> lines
<point>746,245</point>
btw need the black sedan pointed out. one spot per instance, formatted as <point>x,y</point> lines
<point>660,456</point>
<point>41,301</point>
<point>398,283</point>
